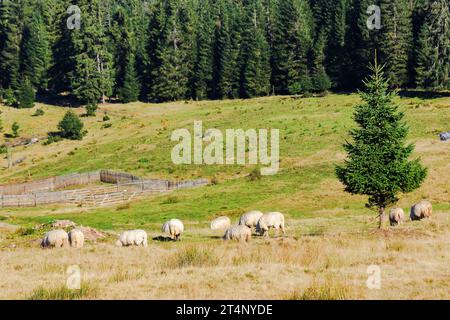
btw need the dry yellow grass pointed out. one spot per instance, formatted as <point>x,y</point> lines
<point>331,264</point>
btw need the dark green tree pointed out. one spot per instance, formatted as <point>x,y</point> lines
<point>71,127</point>
<point>129,92</point>
<point>255,54</point>
<point>377,163</point>
<point>127,85</point>
<point>36,51</point>
<point>92,77</point>
<point>26,95</point>
<point>396,40</point>
<point>293,40</point>
<point>202,68</point>
<point>320,80</point>
<point>168,74</point>
<point>433,51</point>
<point>11,23</point>
<point>15,129</point>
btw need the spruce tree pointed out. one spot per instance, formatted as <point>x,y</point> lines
<point>335,44</point>
<point>129,92</point>
<point>167,78</point>
<point>71,127</point>
<point>36,51</point>
<point>255,53</point>
<point>226,78</point>
<point>293,39</point>
<point>26,95</point>
<point>10,38</point>
<point>377,163</point>
<point>361,43</point>
<point>127,85</point>
<point>202,68</point>
<point>396,40</point>
<point>15,128</point>
<point>91,78</point>
<point>320,80</point>
<point>433,51</point>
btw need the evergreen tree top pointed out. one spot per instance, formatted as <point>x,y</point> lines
<point>377,163</point>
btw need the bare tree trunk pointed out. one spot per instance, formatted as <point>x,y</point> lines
<point>382,216</point>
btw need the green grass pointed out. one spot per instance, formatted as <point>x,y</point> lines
<point>312,131</point>
<point>86,291</point>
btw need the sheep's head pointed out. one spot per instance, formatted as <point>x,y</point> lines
<point>259,229</point>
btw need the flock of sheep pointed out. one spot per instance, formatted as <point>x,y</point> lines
<point>419,211</point>
<point>241,232</point>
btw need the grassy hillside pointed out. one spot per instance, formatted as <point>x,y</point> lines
<point>312,132</point>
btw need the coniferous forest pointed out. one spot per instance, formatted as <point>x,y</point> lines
<point>165,50</point>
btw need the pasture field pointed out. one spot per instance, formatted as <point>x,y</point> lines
<point>331,237</point>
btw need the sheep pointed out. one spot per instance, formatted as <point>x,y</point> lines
<point>238,233</point>
<point>55,238</point>
<point>220,223</point>
<point>421,210</point>
<point>174,228</point>
<point>250,219</point>
<point>76,238</point>
<point>270,220</point>
<point>133,238</point>
<point>396,216</point>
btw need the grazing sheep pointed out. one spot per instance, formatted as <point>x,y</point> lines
<point>396,216</point>
<point>421,210</point>
<point>76,238</point>
<point>133,238</point>
<point>220,223</point>
<point>270,220</point>
<point>174,228</point>
<point>250,219</point>
<point>55,238</point>
<point>238,233</point>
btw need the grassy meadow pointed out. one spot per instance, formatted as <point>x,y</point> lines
<point>331,237</point>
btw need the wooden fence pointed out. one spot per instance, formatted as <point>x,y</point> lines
<point>96,196</point>
<point>51,184</point>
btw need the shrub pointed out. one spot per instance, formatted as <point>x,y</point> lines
<point>106,118</point>
<point>15,129</point>
<point>39,112</point>
<point>52,138</point>
<point>71,127</point>
<point>10,98</point>
<point>91,109</point>
<point>107,125</point>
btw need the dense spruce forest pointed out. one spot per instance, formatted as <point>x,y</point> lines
<point>165,50</point>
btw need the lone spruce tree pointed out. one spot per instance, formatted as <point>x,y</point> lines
<point>377,163</point>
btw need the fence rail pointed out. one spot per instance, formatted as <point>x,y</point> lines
<point>122,191</point>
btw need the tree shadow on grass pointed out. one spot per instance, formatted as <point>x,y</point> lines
<point>423,94</point>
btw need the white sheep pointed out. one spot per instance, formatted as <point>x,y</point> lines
<point>270,220</point>
<point>396,216</point>
<point>421,210</point>
<point>220,223</point>
<point>250,219</point>
<point>76,238</point>
<point>133,238</point>
<point>238,233</point>
<point>55,238</point>
<point>174,228</point>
